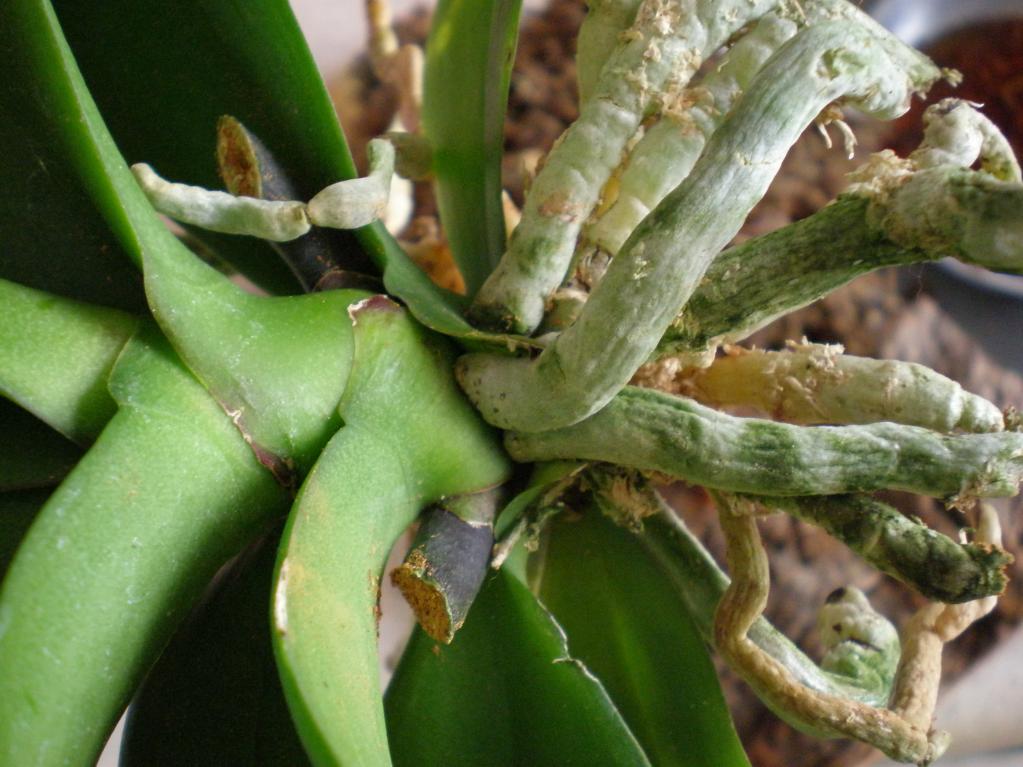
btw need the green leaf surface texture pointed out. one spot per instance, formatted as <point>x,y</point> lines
<point>278,365</point>
<point>53,238</point>
<point>215,698</point>
<point>469,58</point>
<point>505,692</point>
<point>56,355</point>
<point>175,73</point>
<point>117,556</point>
<point>625,622</point>
<point>410,437</point>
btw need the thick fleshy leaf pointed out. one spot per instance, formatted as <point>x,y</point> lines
<point>51,236</point>
<point>505,692</point>
<point>79,142</point>
<point>352,507</point>
<point>469,59</point>
<point>56,355</point>
<point>118,554</point>
<point>86,170</point>
<point>410,437</point>
<point>282,386</point>
<point>215,698</point>
<point>174,74</point>
<point>277,364</point>
<point>626,623</point>
<point>31,453</point>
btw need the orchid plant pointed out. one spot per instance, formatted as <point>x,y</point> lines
<point>201,482</point>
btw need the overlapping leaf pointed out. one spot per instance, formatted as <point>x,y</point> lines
<point>469,59</point>
<point>116,556</point>
<point>506,692</point>
<point>51,236</point>
<point>215,697</point>
<point>625,622</point>
<point>409,438</point>
<point>56,355</point>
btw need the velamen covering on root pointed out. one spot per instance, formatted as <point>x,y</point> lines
<point>700,583</point>
<point>250,169</point>
<point>822,714</point>
<point>859,659</point>
<point>664,260</point>
<point>658,54</point>
<point>904,730</point>
<point>753,283</point>
<point>818,384</point>
<point>652,431</point>
<point>931,563</point>
<point>344,205</point>
<point>669,148</point>
<point>666,153</point>
<point>599,33</point>
<point>897,211</point>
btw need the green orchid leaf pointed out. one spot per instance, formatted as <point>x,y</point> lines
<point>119,553</point>
<point>281,387</point>
<point>31,453</point>
<point>469,58</point>
<point>410,438</point>
<point>248,60</point>
<point>79,141</point>
<point>626,623</point>
<point>215,698</point>
<point>18,508</point>
<point>352,507</point>
<point>436,308</point>
<point>277,364</point>
<point>505,692</point>
<point>282,393</point>
<point>176,73</point>
<point>52,236</point>
<point>56,355</point>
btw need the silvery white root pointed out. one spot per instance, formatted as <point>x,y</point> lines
<point>605,21</point>
<point>897,211</point>
<point>344,205</point>
<point>651,431</point>
<point>664,260</point>
<point>818,384</point>
<point>903,730</point>
<point>668,150</point>
<point>655,58</point>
